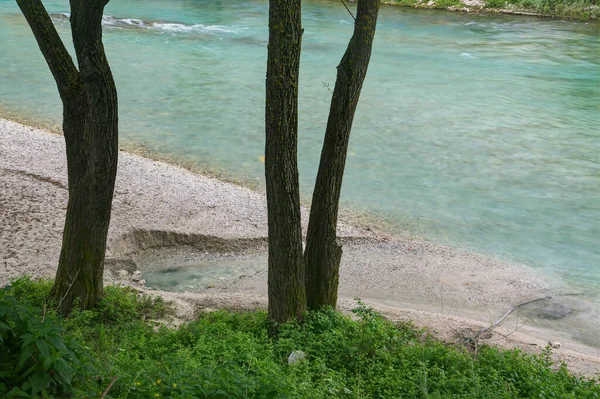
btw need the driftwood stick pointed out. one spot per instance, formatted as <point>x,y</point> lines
<point>500,320</point>
<point>108,387</point>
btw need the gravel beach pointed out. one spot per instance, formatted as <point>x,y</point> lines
<point>161,210</point>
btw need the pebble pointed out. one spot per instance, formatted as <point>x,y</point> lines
<point>296,357</point>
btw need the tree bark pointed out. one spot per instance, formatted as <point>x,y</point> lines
<point>286,289</point>
<point>90,126</point>
<point>323,254</point>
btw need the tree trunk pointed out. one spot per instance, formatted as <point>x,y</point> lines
<point>287,298</point>
<point>323,253</point>
<point>90,126</point>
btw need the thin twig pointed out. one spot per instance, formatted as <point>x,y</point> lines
<point>134,380</point>
<point>108,387</point>
<point>68,289</point>
<point>350,12</point>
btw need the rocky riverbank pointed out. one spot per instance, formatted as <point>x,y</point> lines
<point>569,10</point>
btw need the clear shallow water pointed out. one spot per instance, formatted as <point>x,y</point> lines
<point>476,131</point>
<point>190,275</point>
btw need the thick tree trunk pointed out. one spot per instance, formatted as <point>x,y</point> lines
<point>323,253</point>
<point>286,265</point>
<point>90,126</point>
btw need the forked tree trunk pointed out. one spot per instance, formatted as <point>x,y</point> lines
<point>323,254</point>
<point>90,126</point>
<point>286,289</point>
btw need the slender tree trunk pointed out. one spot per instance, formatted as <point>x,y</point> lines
<point>90,126</point>
<point>286,265</point>
<point>323,254</point>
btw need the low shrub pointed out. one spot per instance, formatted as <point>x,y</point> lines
<point>36,356</point>
<point>230,355</point>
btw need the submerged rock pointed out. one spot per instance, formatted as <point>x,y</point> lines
<point>554,311</point>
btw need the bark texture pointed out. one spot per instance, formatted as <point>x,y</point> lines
<point>286,289</point>
<point>90,126</point>
<point>323,254</point>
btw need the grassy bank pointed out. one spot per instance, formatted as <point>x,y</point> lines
<point>230,355</point>
<point>582,10</point>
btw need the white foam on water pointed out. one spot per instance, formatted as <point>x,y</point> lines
<point>197,28</point>
<point>467,55</point>
<point>108,20</point>
<point>133,21</point>
<point>167,27</point>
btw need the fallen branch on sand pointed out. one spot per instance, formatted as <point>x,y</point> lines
<point>475,337</point>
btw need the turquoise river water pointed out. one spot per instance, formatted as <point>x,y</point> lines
<point>478,131</point>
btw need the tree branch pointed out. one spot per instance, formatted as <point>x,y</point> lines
<point>347,9</point>
<point>59,61</point>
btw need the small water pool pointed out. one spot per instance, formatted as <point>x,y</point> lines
<point>186,271</point>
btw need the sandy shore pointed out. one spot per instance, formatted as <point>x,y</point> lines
<point>161,210</point>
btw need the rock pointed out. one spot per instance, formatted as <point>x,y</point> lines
<point>137,276</point>
<point>120,264</point>
<point>296,357</point>
<point>554,345</point>
<point>122,274</point>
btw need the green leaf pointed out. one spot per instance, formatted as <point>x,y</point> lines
<point>62,368</point>
<point>47,363</point>
<point>27,339</point>
<point>43,347</point>
<point>39,381</point>
<point>56,342</point>
<point>25,355</point>
<point>17,393</point>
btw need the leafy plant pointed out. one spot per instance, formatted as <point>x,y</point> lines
<point>34,356</point>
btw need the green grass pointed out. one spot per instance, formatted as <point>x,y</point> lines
<point>230,355</point>
<point>443,4</point>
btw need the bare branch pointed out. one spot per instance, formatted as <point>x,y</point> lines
<point>349,12</point>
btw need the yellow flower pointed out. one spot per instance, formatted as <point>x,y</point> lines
<point>158,381</point>
<point>156,395</point>
<point>138,383</point>
<point>174,385</point>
